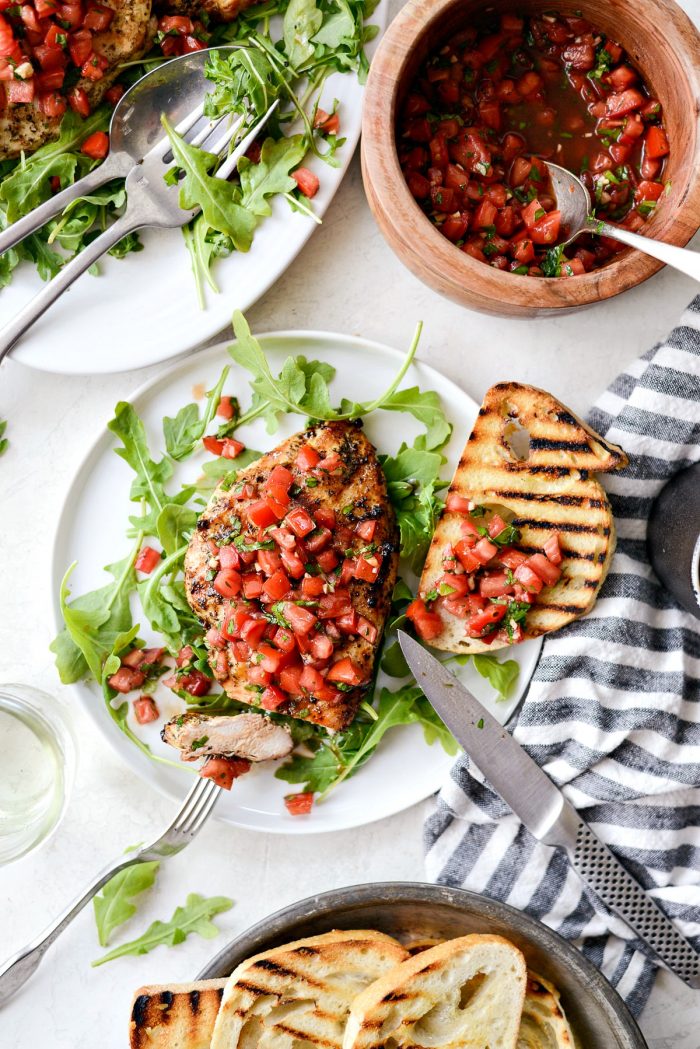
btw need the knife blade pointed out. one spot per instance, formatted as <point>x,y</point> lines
<point>544,810</point>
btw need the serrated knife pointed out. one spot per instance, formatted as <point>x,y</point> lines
<point>544,810</point>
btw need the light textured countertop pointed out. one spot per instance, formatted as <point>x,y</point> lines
<point>346,280</point>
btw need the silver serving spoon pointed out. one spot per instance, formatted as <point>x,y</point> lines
<point>174,88</point>
<point>574,202</point>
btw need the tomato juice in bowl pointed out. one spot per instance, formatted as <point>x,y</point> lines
<point>506,93</point>
<point>601,129</point>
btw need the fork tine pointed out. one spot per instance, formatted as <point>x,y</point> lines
<point>162,146</point>
<point>189,804</point>
<point>230,162</point>
<point>199,815</point>
<point>223,140</point>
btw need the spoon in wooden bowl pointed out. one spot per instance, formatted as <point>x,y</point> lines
<point>574,202</point>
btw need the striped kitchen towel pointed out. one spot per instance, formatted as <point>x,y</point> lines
<point>613,710</point>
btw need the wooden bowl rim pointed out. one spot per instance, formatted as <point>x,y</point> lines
<point>395,209</point>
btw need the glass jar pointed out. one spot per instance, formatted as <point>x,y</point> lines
<point>37,766</point>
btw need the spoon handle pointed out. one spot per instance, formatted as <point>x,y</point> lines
<point>127,223</point>
<point>682,259</point>
<point>112,167</point>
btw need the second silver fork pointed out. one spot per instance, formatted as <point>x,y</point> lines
<point>193,814</point>
<point>151,202</point>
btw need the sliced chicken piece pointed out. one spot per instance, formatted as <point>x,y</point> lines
<point>355,493</point>
<point>24,127</point>
<point>249,736</point>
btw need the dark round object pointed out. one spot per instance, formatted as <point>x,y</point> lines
<point>413,911</point>
<point>673,538</point>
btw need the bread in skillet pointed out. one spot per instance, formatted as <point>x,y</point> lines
<point>543,1024</point>
<point>175,1016</point>
<point>463,994</point>
<point>301,993</point>
<point>547,486</point>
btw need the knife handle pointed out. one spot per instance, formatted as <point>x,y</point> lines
<point>616,887</point>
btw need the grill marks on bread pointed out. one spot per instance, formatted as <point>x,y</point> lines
<point>180,1017</point>
<point>550,489</point>
<point>302,992</point>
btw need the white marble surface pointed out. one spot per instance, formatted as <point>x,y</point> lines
<point>346,280</point>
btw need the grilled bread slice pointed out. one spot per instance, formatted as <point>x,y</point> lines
<point>543,1024</point>
<point>176,1016</point>
<point>355,492</point>
<point>300,994</point>
<point>529,456</point>
<point>463,994</point>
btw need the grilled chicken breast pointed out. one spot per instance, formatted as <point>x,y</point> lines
<point>533,461</point>
<point>23,127</point>
<point>339,582</point>
<point>219,10</point>
<point>250,736</point>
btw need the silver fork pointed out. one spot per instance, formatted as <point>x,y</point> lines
<point>150,202</point>
<point>195,811</point>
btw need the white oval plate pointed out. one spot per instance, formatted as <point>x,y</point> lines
<point>143,309</point>
<point>91,531</point>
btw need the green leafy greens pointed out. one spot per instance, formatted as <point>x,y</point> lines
<point>114,906</point>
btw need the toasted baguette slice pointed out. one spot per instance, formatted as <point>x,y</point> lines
<point>301,993</point>
<point>175,1016</point>
<point>463,994</point>
<point>550,489</point>
<point>543,1024</point>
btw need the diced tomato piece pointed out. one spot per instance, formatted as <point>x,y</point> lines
<point>290,679</point>
<point>318,540</point>
<point>484,551</point>
<point>327,560</point>
<point>457,504</point>
<point>476,603</point>
<point>145,710</point>
<point>496,525</point>
<point>299,804</point>
<point>269,658</point>
<point>270,561</point>
<point>548,573</point>
<point>479,621</point>
<point>277,586</point>
<point>229,557</point>
<point>617,105</point>
<point>511,558</point>
<point>325,517</point>
<point>293,563</point>
<point>147,559</point>
<point>228,582</point>
<point>214,638</point>
<point>546,231</point>
<point>96,145</point>
<point>195,682</point>
<point>307,181</point>
<point>648,191</point>
<point>98,18</point>
<point>347,623</point>
<point>224,770</point>
<point>552,549</point>
<point>20,90</point>
<point>300,521</point>
<point>114,93</point>
<point>231,448</point>
<point>94,67</point>
<point>257,675</point>
<point>302,620</point>
<point>311,680</point>
<point>283,537</point>
<point>366,530</point>
<point>52,103</point>
<point>126,679</point>
<point>336,604</point>
<point>213,445</point>
<point>456,606</point>
<point>532,213</point>
<point>428,624</point>
<point>494,584</point>
<point>252,585</point>
<point>79,102</point>
<point>80,46</point>
<point>485,215</point>
<point>523,251</point>
<point>367,568</point>
<point>253,630</point>
<point>529,579</point>
<point>621,78</point>
<point>345,671</point>
<point>307,457</point>
<point>467,558</point>
<point>366,629</point>
<point>458,584</point>
<point>312,586</point>
<point>260,514</point>
<point>656,142</point>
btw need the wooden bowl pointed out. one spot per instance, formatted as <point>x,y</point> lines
<point>664,45</point>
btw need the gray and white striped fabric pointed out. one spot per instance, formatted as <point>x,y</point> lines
<point>613,711</point>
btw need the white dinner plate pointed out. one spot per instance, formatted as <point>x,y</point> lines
<point>143,309</point>
<point>91,531</point>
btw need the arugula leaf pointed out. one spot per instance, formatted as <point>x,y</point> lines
<point>393,661</point>
<point>93,622</point>
<point>424,406</point>
<point>194,917</point>
<point>242,79</point>
<point>184,432</point>
<point>160,612</point>
<point>151,477</point>
<point>113,905</point>
<point>216,197</point>
<point>412,479</point>
<point>270,175</point>
<point>302,20</point>
<point>174,524</point>
<point>3,440</point>
<point>501,675</point>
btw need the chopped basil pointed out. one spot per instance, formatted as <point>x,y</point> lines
<point>311,482</point>
<point>247,548</point>
<point>197,744</point>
